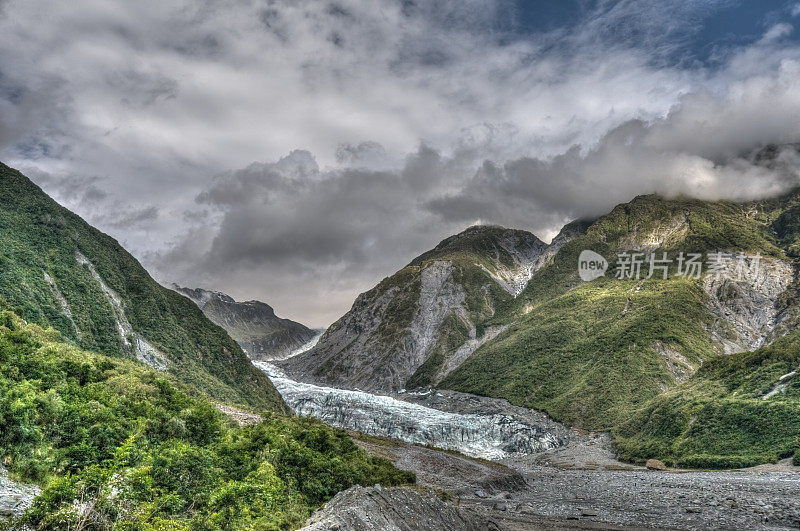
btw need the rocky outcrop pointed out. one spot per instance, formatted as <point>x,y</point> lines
<point>394,509</point>
<point>15,497</point>
<point>252,324</point>
<point>525,253</point>
<point>746,306</point>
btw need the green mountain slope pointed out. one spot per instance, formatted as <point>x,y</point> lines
<point>589,352</point>
<point>252,324</point>
<point>117,444</point>
<point>61,272</point>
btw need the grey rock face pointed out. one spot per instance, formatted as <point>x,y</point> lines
<point>350,354</point>
<point>15,497</point>
<point>394,509</point>
<point>747,310</point>
<point>393,330</point>
<point>526,254</point>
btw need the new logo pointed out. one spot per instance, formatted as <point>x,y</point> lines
<point>591,265</point>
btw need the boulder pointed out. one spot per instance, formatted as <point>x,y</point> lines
<point>655,464</point>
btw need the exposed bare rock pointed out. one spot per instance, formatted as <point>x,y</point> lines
<point>439,296</point>
<point>425,317</point>
<point>130,339</point>
<point>356,352</point>
<point>241,417</point>
<point>394,509</point>
<point>62,301</point>
<point>465,351</point>
<point>525,253</point>
<point>781,384</point>
<point>15,497</point>
<point>351,352</point>
<point>678,366</point>
<point>747,311</point>
<point>441,470</point>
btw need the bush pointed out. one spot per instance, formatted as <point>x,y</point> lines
<point>723,462</point>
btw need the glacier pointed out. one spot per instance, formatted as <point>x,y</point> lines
<point>489,436</point>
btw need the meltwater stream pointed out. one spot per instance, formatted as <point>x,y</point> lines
<point>490,436</point>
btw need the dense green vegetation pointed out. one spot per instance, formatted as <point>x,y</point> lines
<point>610,354</point>
<point>719,418</point>
<point>587,357</point>
<point>38,237</point>
<point>119,445</point>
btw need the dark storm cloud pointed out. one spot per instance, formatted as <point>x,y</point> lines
<point>290,212</point>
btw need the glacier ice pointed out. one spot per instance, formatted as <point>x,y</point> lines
<point>492,436</point>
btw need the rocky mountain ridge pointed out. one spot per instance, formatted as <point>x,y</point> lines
<point>599,354</point>
<point>252,324</point>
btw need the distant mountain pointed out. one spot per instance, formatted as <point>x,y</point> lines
<point>58,271</point>
<point>253,324</point>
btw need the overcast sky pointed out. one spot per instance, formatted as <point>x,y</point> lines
<point>299,151</point>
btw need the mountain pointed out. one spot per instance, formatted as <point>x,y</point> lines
<point>252,324</point>
<point>58,271</point>
<point>420,324</point>
<point>694,371</point>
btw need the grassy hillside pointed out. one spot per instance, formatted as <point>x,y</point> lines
<point>720,418</point>
<point>618,354</point>
<point>584,358</point>
<point>117,444</point>
<point>40,274</point>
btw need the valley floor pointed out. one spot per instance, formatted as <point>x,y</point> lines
<point>582,486</point>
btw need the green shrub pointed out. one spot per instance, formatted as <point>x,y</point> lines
<point>137,449</point>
